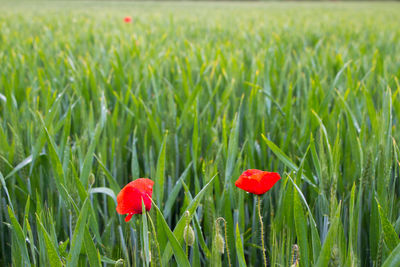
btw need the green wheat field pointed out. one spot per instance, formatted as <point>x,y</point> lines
<point>190,95</point>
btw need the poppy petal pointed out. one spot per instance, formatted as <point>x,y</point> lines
<point>256,181</point>
<point>128,217</point>
<point>268,180</point>
<point>144,185</point>
<point>131,196</point>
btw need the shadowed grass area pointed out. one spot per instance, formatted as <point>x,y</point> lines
<point>191,95</point>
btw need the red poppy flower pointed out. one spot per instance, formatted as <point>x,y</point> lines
<point>128,19</point>
<point>130,198</point>
<point>256,181</point>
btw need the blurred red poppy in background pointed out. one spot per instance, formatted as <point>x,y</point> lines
<point>256,181</point>
<point>128,19</point>
<point>130,198</point>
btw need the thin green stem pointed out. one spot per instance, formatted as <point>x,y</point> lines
<point>262,230</point>
<point>155,238</point>
<point>226,239</point>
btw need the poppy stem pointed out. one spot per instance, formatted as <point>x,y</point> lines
<point>262,230</point>
<point>226,239</point>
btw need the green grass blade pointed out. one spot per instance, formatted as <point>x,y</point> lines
<point>239,248</point>
<point>180,226</point>
<point>91,251</point>
<point>145,236</point>
<point>232,150</point>
<point>160,172</point>
<point>326,250</point>
<point>78,236</point>
<point>301,229</point>
<point>393,259</point>
<point>4,186</point>
<point>175,191</point>
<point>19,235</point>
<point>52,255</point>
<point>285,159</point>
<point>391,238</point>
<point>178,252</point>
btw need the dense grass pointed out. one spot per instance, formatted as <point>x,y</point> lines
<point>185,93</point>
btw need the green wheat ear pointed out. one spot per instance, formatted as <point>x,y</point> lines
<point>335,257</point>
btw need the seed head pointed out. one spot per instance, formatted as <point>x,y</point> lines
<point>119,262</point>
<point>92,179</point>
<point>219,243</point>
<point>188,235</point>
